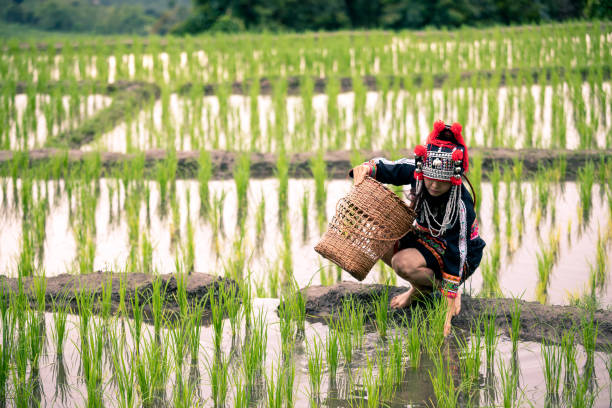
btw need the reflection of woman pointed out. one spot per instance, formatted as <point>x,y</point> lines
<point>444,249</point>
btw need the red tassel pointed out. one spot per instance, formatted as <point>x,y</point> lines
<point>457,155</point>
<point>418,175</point>
<point>456,181</point>
<point>420,151</point>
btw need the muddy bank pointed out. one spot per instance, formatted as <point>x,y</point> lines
<point>537,321</point>
<point>319,84</point>
<point>375,83</point>
<point>263,165</point>
<point>66,286</point>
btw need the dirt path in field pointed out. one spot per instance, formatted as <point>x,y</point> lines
<point>65,287</point>
<point>538,321</point>
<point>263,165</point>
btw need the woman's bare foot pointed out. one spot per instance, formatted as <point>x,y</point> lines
<point>457,304</point>
<point>403,299</point>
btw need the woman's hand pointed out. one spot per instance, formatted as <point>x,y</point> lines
<point>450,312</point>
<point>360,172</point>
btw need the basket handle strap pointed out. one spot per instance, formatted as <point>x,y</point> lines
<point>356,231</point>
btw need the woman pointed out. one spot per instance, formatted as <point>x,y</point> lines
<point>444,249</point>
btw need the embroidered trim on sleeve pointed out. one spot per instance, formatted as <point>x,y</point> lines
<point>474,231</point>
<point>450,285</point>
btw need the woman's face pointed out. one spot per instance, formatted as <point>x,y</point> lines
<point>436,187</point>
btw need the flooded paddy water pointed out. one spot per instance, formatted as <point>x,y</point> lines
<point>548,235</point>
<point>263,245</point>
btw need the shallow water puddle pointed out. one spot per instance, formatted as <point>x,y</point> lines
<point>61,381</point>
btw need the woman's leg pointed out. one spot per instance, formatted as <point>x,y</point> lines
<point>410,264</point>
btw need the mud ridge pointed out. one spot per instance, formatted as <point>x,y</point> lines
<point>538,321</point>
<point>65,287</point>
<point>338,163</point>
<point>129,97</point>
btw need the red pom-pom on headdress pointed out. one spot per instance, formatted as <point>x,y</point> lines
<point>420,151</point>
<point>438,126</point>
<point>457,155</point>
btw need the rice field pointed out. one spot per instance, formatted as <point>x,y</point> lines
<point>548,234</point>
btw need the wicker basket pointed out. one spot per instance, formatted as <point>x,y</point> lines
<point>368,221</point>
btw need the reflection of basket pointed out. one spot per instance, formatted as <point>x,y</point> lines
<point>368,221</point>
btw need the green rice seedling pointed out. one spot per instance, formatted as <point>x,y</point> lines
<point>39,283</point>
<point>152,369</point>
<point>305,212</point>
<point>274,388</point>
<point>260,222</point>
<point>569,354</point>
<point>434,336</point>
<point>178,338</point>
<point>22,387</point>
<point>241,396</point>
<point>357,322</point>
<point>231,300</point>
<point>586,177</point>
<point>217,311</point>
<point>194,326</point>
<point>254,351</point>
<point>184,394</point>
<point>286,254</point>
<point>288,381</point>
<point>282,172</point>
<point>315,367</point>
<point>447,395</point>
<point>589,336</point>
<point>287,326</point>
<point>319,172</point>
<point>146,253</point>
<point>345,338</point>
<point>137,314</point>
<point>582,396</point>
<point>242,172</point>
<point>515,323</point>
<point>495,180</point>
<point>509,382</point>
<point>381,311</point>
<point>414,337</point>
<point>470,357</point>
<point>490,336</point>
<point>189,250</point>
<point>396,351</point>
<point>219,378</point>
<point>124,371</point>
<point>552,357</point>
<point>371,384</point>
<point>60,316</point>
<point>204,176</point>
<point>331,350</point>
<point>91,359</point>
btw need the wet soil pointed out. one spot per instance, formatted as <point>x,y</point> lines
<point>65,287</point>
<point>538,321</point>
<point>263,165</point>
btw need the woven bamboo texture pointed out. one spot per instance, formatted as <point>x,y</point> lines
<point>368,221</point>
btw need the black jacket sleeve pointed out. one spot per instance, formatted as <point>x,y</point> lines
<point>399,172</point>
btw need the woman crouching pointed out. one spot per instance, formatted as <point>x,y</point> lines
<point>444,249</point>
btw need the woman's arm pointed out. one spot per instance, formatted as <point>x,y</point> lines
<point>399,172</point>
<point>450,311</point>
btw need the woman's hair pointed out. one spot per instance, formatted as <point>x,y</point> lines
<point>447,135</point>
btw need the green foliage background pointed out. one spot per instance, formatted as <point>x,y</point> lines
<point>193,16</point>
